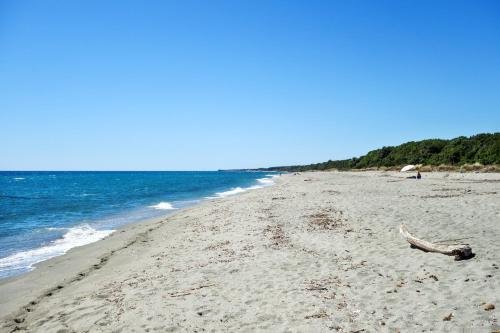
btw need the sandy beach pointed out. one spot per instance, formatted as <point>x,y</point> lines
<point>316,252</point>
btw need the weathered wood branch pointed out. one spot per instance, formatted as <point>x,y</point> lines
<point>460,252</point>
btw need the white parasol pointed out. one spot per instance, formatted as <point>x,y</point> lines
<point>408,168</point>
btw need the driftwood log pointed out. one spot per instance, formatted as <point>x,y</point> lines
<point>460,252</point>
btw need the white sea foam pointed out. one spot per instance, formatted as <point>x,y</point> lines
<point>266,181</point>
<point>19,178</point>
<point>237,190</point>
<point>254,187</point>
<point>55,229</point>
<point>233,191</point>
<point>77,236</point>
<point>163,206</point>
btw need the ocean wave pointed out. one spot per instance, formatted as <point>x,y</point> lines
<point>163,206</point>
<point>77,236</point>
<point>19,178</point>
<point>266,181</point>
<point>56,228</point>
<point>237,190</point>
<point>233,191</point>
<point>254,187</point>
<point>80,195</point>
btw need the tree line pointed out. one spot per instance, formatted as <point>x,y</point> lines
<point>482,148</point>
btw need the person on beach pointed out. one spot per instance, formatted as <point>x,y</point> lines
<point>418,176</point>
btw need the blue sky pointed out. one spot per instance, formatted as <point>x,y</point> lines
<point>197,85</point>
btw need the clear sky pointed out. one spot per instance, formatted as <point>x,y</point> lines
<point>197,85</point>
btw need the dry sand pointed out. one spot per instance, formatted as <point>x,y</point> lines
<point>316,252</point>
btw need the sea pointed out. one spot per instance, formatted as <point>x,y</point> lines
<point>45,214</point>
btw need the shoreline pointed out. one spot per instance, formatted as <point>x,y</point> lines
<point>86,232</point>
<point>68,269</point>
<point>314,252</point>
<point>69,265</point>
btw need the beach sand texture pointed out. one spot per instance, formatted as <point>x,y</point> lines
<point>316,252</point>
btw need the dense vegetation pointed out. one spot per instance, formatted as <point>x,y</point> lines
<point>481,148</point>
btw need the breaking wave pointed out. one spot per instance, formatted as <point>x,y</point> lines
<point>163,206</point>
<point>25,260</point>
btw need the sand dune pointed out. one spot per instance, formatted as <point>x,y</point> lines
<point>316,252</point>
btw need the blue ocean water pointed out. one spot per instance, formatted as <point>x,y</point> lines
<point>44,214</point>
